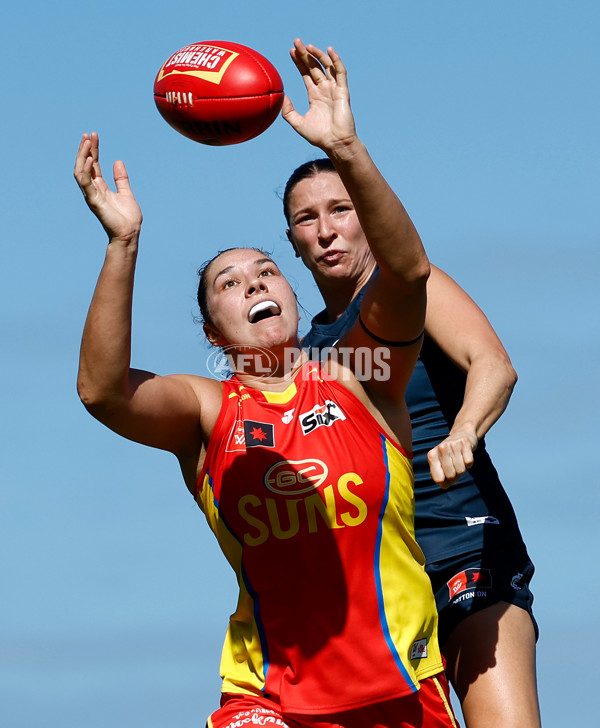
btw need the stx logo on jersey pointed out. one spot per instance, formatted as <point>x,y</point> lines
<point>321,415</point>
<point>248,433</point>
<point>469,579</point>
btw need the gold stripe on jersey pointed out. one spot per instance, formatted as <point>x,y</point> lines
<point>281,397</point>
<point>242,654</point>
<point>402,609</point>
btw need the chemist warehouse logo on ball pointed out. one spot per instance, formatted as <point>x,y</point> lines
<point>203,61</point>
<point>321,415</point>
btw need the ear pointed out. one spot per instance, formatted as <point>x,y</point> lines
<point>214,336</point>
<point>288,232</point>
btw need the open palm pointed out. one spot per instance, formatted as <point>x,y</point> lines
<point>118,211</point>
<point>329,121</point>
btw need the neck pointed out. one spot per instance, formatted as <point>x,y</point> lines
<point>338,293</point>
<point>277,371</point>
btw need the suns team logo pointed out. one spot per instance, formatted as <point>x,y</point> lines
<point>292,477</point>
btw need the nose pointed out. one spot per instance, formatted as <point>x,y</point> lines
<point>326,230</point>
<point>256,285</point>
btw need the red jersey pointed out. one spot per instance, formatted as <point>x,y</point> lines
<point>313,507</point>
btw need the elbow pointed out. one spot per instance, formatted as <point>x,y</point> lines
<point>423,271</point>
<point>95,401</point>
<point>512,375</point>
<point>89,399</point>
<point>506,373</point>
<point>418,273</point>
<point>410,278</point>
<point>88,394</point>
<point>84,394</point>
<point>421,267</point>
<point>417,277</point>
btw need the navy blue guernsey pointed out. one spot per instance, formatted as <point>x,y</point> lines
<point>475,513</point>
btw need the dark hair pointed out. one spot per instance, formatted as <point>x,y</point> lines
<point>304,171</point>
<point>202,283</point>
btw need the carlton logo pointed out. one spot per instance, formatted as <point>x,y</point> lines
<point>199,60</point>
<point>292,477</point>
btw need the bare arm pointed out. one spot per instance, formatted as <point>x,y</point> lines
<point>162,412</point>
<point>462,331</point>
<point>394,304</point>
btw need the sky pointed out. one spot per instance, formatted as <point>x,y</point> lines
<point>484,117</point>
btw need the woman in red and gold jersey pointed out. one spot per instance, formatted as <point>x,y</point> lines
<point>302,468</point>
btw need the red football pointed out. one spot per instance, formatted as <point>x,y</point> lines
<point>218,93</point>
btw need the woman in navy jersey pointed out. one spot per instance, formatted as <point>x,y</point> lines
<point>465,524</point>
<point>303,471</point>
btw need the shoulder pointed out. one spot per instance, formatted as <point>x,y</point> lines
<point>391,415</point>
<point>204,386</point>
<point>206,394</point>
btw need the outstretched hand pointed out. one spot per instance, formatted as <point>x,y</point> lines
<point>118,211</point>
<point>451,458</point>
<point>329,122</point>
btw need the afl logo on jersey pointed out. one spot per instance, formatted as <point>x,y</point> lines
<point>292,477</point>
<point>321,415</point>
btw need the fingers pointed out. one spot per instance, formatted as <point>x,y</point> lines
<point>450,459</point>
<point>302,62</point>
<point>87,167</point>
<point>95,151</point>
<point>316,64</point>
<point>82,154</point>
<point>288,111</point>
<point>83,164</point>
<point>438,475</point>
<point>118,212</point>
<point>319,62</point>
<point>121,177</point>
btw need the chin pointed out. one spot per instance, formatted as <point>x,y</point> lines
<point>267,331</point>
<point>336,270</point>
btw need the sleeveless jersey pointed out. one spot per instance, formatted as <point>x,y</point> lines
<point>313,507</point>
<point>476,512</point>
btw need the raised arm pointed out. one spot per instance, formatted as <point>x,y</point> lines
<point>462,331</point>
<point>394,304</point>
<point>162,412</point>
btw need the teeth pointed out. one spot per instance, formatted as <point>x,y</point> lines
<point>263,306</point>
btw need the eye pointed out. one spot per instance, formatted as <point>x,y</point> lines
<point>341,209</point>
<point>303,219</point>
<point>229,283</point>
<point>267,272</point>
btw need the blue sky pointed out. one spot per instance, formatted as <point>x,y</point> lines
<point>484,116</point>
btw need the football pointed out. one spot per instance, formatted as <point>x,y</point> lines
<point>218,92</point>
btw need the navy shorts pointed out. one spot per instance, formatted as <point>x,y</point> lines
<point>467,583</point>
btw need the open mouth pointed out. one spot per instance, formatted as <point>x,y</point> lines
<point>263,310</point>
